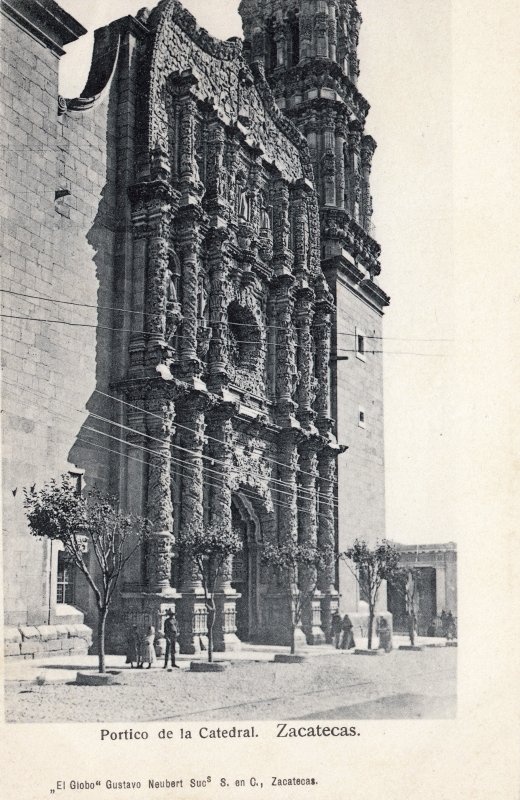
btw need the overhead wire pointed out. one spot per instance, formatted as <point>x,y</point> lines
<point>239,341</point>
<point>187,466</point>
<point>25,295</point>
<point>299,489</point>
<point>185,427</point>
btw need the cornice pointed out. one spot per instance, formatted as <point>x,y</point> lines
<point>46,21</point>
<point>356,281</point>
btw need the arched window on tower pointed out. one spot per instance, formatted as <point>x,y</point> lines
<point>293,25</point>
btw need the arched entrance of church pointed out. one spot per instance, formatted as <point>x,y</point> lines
<point>245,576</point>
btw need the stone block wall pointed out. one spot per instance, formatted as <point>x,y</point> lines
<point>57,252</point>
<point>30,642</point>
<point>361,478</point>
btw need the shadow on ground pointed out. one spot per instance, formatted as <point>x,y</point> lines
<point>399,706</point>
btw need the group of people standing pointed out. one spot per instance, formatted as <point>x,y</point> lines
<point>141,649</point>
<point>342,631</point>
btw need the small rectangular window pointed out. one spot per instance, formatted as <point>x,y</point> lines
<point>362,418</point>
<point>65,580</point>
<point>360,344</point>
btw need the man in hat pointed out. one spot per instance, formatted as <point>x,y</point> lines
<point>171,631</point>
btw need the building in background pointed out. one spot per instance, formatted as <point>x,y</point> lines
<point>190,258</point>
<point>436,565</point>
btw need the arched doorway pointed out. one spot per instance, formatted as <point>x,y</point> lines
<point>245,576</point>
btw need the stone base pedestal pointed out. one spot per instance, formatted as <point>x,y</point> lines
<point>289,658</point>
<point>329,605</point>
<point>313,629</point>
<point>225,638</point>
<point>277,624</point>
<point>144,609</point>
<point>193,623</point>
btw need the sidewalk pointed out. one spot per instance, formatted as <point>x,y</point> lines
<point>63,669</point>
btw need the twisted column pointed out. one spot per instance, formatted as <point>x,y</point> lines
<point>218,268</point>
<point>340,163</point>
<point>189,236</point>
<point>192,608</point>
<point>159,501</point>
<point>220,429</point>
<point>322,327</point>
<point>285,347</point>
<point>303,317</point>
<point>192,418</point>
<point>308,535</point>
<point>327,532</point>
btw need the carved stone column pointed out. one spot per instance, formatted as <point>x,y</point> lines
<point>301,231</point>
<point>278,600</point>
<point>322,327</point>
<point>152,209</point>
<point>159,423</point>
<point>308,535</point>
<point>217,189</point>
<point>321,34</point>
<point>220,429</point>
<point>354,177</point>
<point>191,416</point>
<point>218,268</point>
<point>306,27</point>
<point>189,237</point>
<point>190,185</point>
<point>147,601</point>
<point>285,348</point>
<point>368,147</point>
<point>303,317</point>
<point>327,533</point>
<point>136,486</point>
<point>340,163</point>
<point>328,160</point>
<point>333,34</point>
<point>282,254</point>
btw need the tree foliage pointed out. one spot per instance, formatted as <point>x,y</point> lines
<point>373,565</point>
<point>298,567</point>
<point>210,548</point>
<point>87,525</point>
<point>406,581</point>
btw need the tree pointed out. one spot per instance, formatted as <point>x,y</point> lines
<point>297,567</point>
<point>372,566</point>
<point>406,581</point>
<point>88,523</point>
<point>210,548</point>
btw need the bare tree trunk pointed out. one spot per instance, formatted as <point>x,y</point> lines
<point>211,622</point>
<point>370,626</point>
<point>411,629</point>
<point>293,640</point>
<point>102,618</point>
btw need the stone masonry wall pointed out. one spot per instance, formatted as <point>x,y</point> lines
<point>361,469</point>
<point>53,248</point>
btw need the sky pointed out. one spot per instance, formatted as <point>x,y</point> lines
<point>406,75</point>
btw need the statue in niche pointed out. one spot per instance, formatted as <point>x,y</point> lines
<point>203,299</point>
<point>243,204</point>
<point>265,217</point>
<point>173,314</point>
<point>195,170</point>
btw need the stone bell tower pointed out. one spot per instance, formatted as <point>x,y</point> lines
<point>308,49</point>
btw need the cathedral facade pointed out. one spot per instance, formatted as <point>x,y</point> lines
<point>212,205</point>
